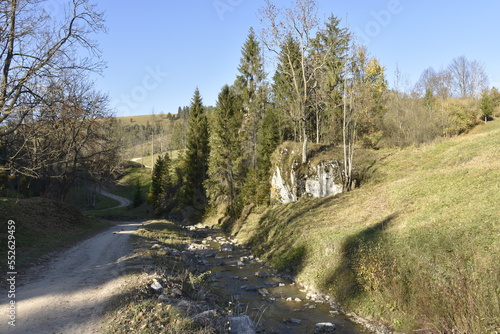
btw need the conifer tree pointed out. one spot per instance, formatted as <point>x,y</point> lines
<point>268,141</point>
<point>160,191</point>
<point>197,152</point>
<point>225,166</point>
<point>138,198</point>
<point>155,190</point>
<point>486,105</point>
<point>332,44</point>
<point>250,87</point>
<point>167,186</point>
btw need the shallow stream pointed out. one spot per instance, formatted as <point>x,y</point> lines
<point>274,302</point>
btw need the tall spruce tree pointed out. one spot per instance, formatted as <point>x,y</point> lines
<point>167,193</point>
<point>160,191</point>
<point>269,139</point>
<point>155,190</point>
<point>250,87</point>
<point>225,165</point>
<point>197,153</point>
<point>331,43</point>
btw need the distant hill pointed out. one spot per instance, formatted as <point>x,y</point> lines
<point>160,133</point>
<point>146,119</point>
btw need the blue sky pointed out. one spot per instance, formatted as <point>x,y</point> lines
<point>158,52</point>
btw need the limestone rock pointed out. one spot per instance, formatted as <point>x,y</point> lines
<point>318,181</point>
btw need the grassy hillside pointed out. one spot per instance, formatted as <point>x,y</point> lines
<point>143,119</point>
<point>127,187</point>
<point>41,226</point>
<point>416,247</point>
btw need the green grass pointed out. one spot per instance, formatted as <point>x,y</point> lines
<point>165,233</point>
<point>126,187</point>
<point>415,247</point>
<point>42,226</point>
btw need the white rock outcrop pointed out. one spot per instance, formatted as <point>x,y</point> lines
<point>318,181</point>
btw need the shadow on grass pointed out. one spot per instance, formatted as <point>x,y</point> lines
<point>344,280</point>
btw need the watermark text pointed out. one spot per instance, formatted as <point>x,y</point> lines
<point>224,6</point>
<point>11,274</point>
<point>381,19</point>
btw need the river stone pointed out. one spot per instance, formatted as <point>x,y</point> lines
<point>324,328</point>
<point>262,274</point>
<point>163,298</point>
<point>174,252</point>
<point>175,292</point>
<point>206,318</point>
<point>263,292</point>
<point>226,247</point>
<point>292,321</point>
<point>241,325</point>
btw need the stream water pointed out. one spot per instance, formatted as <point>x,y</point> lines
<point>274,302</point>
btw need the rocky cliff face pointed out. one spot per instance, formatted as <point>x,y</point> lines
<point>292,180</point>
<point>324,179</point>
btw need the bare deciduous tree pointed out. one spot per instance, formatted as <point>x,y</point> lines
<point>298,23</point>
<point>36,47</point>
<point>468,77</point>
<point>439,83</point>
<point>70,138</point>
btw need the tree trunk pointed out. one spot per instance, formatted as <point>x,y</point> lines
<point>304,145</point>
<point>317,126</point>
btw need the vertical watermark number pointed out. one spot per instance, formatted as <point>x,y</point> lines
<point>12,273</point>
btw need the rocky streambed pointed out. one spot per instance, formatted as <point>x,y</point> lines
<point>261,300</point>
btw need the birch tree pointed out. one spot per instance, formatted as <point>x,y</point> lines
<point>298,23</point>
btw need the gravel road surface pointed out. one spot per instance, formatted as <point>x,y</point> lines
<point>68,293</point>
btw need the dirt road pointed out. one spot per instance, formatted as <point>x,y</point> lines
<point>123,201</point>
<point>68,293</point>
